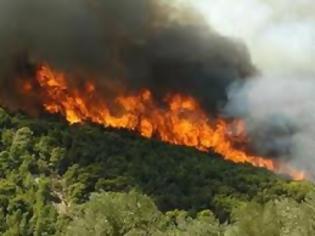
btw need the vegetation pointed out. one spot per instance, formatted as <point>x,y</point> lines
<point>57,179</point>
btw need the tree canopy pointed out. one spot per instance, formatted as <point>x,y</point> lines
<point>57,179</point>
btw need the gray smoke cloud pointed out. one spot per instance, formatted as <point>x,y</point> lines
<point>280,114</point>
<point>278,105</point>
<point>136,44</point>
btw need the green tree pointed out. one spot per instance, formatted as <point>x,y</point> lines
<point>21,143</point>
<point>276,218</point>
<point>114,214</point>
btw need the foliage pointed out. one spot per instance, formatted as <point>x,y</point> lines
<point>285,218</point>
<point>55,178</point>
<point>136,214</point>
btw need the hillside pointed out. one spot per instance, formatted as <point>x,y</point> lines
<point>85,179</point>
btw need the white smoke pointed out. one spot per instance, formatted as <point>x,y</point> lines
<point>279,104</point>
<point>280,34</point>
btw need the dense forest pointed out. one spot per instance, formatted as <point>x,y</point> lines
<point>57,179</point>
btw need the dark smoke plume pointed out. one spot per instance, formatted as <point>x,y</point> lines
<point>139,43</point>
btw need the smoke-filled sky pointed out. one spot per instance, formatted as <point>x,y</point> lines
<point>284,29</point>
<point>139,43</point>
<point>279,103</point>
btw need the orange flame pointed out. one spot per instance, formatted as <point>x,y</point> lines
<point>180,122</point>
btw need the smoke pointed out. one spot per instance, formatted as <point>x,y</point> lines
<point>278,105</point>
<point>279,112</point>
<point>280,34</point>
<point>132,44</point>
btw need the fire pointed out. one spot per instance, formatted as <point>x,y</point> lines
<point>179,121</point>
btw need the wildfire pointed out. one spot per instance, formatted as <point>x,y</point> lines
<point>180,121</point>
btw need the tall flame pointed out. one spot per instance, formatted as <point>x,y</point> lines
<point>180,121</point>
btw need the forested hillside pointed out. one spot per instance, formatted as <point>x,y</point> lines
<point>57,179</point>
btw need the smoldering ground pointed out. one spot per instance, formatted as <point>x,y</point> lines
<point>137,44</point>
